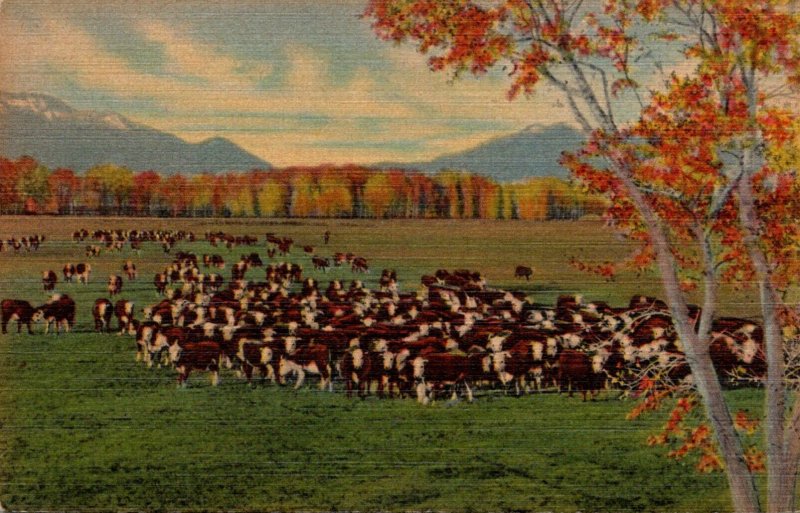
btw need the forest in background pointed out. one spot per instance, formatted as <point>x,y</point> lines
<point>28,187</point>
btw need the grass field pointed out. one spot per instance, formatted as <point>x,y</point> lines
<point>84,428</point>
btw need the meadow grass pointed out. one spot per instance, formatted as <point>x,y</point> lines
<point>86,428</point>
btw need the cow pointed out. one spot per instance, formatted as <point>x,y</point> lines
<point>576,372</point>
<point>69,272</point>
<point>92,251</point>
<point>434,371</point>
<point>129,268</point>
<point>359,265</point>
<point>114,285</point>
<point>523,271</point>
<point>49,280</point>
<point>60,310</point>
<point>256,355</point>
<point>320,263</point>
<point>201,356</point>
<point>160,281</point>
<point>123,311</point>
<point>308,250</point>
<point>20,311</point>
<point>353,367</point>
<point>313,359</point>
<point>102,312</point>
<point>83,272</point>
<point>146,333</point>
<point>326,237</point>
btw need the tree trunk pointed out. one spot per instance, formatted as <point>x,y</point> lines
<point>740,480</point>
<point>780,482</point>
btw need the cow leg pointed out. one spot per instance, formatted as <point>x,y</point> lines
<point>469,392</point>
<point>5,325</point>
<point>247,369</point>
<point>301,376</point>
<point>215,377</point>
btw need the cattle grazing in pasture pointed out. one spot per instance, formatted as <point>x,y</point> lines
<point>20,311</point>
<point>129,268</point>
<point>123,311</point>
<point>83,271</point>
<point>576,372</point>
<point>114,285</point>
<point>60,312</point>
<point>320,264</point>
<point>200,356</point>
<point>308,359</point>
<point>69,272</point>
<point>359,265</point>
<point>49,280</point>
<point>160,282</point>
<point>437,371</point>
<point>102,312</point>
<point>523,271</point>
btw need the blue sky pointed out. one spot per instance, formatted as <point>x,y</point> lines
<point>295,82</point>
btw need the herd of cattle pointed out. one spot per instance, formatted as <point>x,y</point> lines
<point>450,336</point>
<point>28,243</point>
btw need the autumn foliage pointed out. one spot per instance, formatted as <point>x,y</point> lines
<point>325,191</point>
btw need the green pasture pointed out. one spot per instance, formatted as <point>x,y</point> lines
<point>85,428</point>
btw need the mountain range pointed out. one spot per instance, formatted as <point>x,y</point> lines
<point>58,135</point>
<point>534,151</point>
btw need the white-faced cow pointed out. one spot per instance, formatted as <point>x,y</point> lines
<point>129,268</point>
<point>114,285</point>
<point>102,311</point>
<point>49,280</point>
<point>83,272</point>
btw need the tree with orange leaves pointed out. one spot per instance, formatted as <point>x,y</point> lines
<point>687,170</point>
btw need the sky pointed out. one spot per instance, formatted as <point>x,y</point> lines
<point>295,82</point>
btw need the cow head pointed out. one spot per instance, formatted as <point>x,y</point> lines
<point>537,350</point>
<point>598,361</point>
<point>419,368</point>
<point>748,350</point>
<point>266,355</point>
<point>358,358</point>
<point>290,344</point>
<point>552,346</point>
<point>38,315</point>
<point>388,360</point>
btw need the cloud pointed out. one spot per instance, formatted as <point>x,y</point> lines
<point>188,57</point>
<point>389,101</point>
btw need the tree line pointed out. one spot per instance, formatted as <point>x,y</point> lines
<point>28,187</point>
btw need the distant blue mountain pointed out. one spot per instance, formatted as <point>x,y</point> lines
<point>57,135</point>
<point>534,151</point>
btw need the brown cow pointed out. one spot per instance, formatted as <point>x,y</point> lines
<point>575,372</point>
<point>49,280</point>
<point>129,268</point>
<point>102,311</point>
<point>523,272</point>
<point>114,285</point>
<point>69,272</point>
<point>313,359</point>
<point>83,271</point>
<point>435,371</point>
<point>20,311</point>
<point>201,356</point>
<point>123,310</point>
<point>59,310</point>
